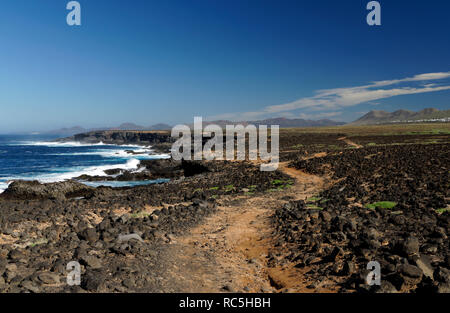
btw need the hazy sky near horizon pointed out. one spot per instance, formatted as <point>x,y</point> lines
<point>148,62</point>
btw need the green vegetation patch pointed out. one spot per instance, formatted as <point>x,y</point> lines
<point>229,188</point>
<point>141,214</point>
<point>382,205</point>
<point>334,147</point>
<point>313,207</point>
<point>41,241</point>
<point>282,184</point>
<point>317,199</point>
<point>443,210</point>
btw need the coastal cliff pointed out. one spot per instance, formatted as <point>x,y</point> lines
<point>159,140</point>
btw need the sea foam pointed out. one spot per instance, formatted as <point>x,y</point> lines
<point>3,186</point>
<point>120,153</point>
<point>62,174</point>
<point>57,144</point>
<point>70,173</point>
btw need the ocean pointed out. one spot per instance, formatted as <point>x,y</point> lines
<point>34,157</point>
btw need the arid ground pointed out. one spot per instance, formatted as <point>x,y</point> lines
<point>342,196</point>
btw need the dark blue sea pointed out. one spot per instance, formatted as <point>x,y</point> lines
<point>34,157</point>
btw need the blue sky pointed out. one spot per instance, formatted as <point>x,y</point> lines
<point>148,61</point>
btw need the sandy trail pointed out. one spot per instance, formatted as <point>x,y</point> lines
<point>350,143</point>
<point>229,251</point>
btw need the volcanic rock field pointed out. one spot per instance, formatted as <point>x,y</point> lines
<point>385,197</point>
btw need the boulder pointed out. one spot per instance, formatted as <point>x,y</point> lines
<point>163,168</point>
<point>411,274</point>
<point>89,234</point>
<point>91,261</point>
<point>26,190</point>
<point>92,280</point>
<point>49,278</point>
<point>423,262</point>
<point>411,246</point>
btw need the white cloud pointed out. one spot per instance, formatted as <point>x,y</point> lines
<point>338,98</point>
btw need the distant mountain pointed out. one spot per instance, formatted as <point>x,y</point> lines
<point>132,126</point>
<point>403,116</point>
<point>159,126</point>
<point>297,122</point>
<point>281,121</point>
<point>67,131</point>
<point>129,126</point>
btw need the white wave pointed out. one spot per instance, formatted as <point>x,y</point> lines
<point>69,173</point>
<point>57,144</point>
<point>78,144</point>
<point>131,164</point>
<point>62,174</point>
<point>139,170</point>
<point>161,156</point>
<point>120,153</point>
<point>83,144</point>
<point>101,152</point>
<point>3,186</point>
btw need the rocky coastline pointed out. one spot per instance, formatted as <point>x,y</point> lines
<point>160,141</point>
<point>120,236</point>
<point>383,198</point>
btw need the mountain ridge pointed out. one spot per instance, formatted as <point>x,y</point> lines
<point>70,131</point>
<point>403,116</point>
<point>371,118</point>
<point>283,122</point>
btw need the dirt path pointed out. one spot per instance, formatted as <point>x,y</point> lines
<point>229,252</point>
<point>350,143</point>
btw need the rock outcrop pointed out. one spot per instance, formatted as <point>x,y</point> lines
<point>120,137</point>
<point>26,190</point>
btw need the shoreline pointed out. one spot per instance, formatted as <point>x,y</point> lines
<point>160,141</point>
<point>132,169</point>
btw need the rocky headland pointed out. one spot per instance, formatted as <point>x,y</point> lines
<point>159,140</point>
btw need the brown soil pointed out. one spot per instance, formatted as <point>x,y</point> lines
<point>229,252</point>
<point>349,142</point>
